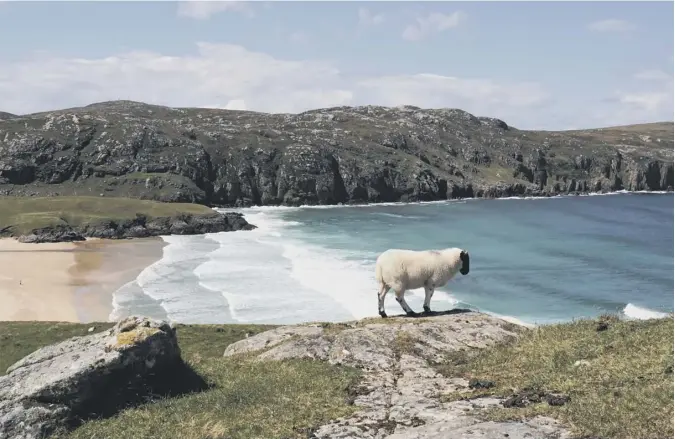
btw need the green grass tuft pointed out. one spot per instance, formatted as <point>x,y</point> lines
<point>18,339</point>
<point>625,391</point>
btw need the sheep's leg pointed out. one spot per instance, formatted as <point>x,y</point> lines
<point>380,299</point>
<point>401,301</point>
<point>428,292</point>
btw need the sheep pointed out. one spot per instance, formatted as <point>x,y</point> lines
<point>403,270</point>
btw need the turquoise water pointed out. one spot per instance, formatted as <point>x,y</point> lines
<point>536,260</point>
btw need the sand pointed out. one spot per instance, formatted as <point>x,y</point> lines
<point>70,282</point>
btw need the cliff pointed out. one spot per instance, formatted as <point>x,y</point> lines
<point>324,156</point>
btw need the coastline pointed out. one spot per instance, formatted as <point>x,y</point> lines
<point>69,281</point>
<point>243,209</point>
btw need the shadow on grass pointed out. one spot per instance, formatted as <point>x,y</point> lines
<point>131,388</point>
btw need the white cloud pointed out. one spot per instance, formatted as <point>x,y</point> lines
<point>512,102</point>
<point>367,18</point>
<point>203,10</point>
<point>217,75</point>
<point>653,75</point>
<point>232,77</point>
<point>648,101</point>
<point>432,23</point>
<point>638,105</point>
<point>299,37</point>
<point>611,25</point>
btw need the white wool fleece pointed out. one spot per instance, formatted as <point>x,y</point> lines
<point>403,270</point>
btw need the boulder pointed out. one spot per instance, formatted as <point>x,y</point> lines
<point>59,385</point>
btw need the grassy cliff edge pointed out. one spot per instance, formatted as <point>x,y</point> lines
<point>618,375</point>
<point>51,219</point>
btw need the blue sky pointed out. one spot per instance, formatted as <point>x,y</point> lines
<point>536,65</point>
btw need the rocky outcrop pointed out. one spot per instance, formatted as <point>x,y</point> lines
<point>57,386</point>
<point>399,396</point>
<point>326,156</point>
<point>139,227</point>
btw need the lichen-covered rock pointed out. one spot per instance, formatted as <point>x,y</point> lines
<point>82,376</point>
<point>399,395</point>
<point>324,156</point>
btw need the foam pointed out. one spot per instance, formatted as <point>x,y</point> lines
<point>167,282</point>
<point>254,274</point>
<point>350,283</point>
<point>639,313</point>
<point>271,208</point>
<point>395,215</point>
<point>510,319</point>
<point>272,274</point>
<point>268,276</point>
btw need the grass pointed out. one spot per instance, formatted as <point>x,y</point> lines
<point>625,391</point>
<point>18,339</point>
<point>24,214</point>
<point>498,174</point>
<point>247,399</point>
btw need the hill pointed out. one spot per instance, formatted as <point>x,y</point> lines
<point>4,115</point>
<point>324,156</point>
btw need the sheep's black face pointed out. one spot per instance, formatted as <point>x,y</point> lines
<point>464,256</point>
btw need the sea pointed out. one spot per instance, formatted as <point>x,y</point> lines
<point>533,261</point>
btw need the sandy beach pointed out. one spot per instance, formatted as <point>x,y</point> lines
<point>70,282</point>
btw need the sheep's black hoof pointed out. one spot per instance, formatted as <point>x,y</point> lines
<point>411,313</point>
<point>427,310</point>
<point>383,314</point>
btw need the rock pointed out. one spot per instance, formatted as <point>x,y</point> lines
<point>52,234</point>
<point>527,397</point>
<point>57,386</point>
<point>399,395</point>
<point>480,384</point>
<point>92,329</point>
<point>602,326</point>
<point>557,400</point>
<point>326,156</point>
<point>536,428</point>
<point>142,227</point>
<point>581,363</point>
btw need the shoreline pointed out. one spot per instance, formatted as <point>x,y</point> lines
<point>243,209</point>
<point>69,281</point>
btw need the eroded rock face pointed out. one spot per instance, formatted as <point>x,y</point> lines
<point>59,384</point>
<point>324,156</point>
<point>399,397</point>
<point>141,227</point>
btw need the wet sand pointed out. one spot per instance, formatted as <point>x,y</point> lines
<point>71,282</point>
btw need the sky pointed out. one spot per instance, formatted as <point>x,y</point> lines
<point>535,65</point>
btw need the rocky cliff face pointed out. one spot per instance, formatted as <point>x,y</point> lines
<point>326,156</point>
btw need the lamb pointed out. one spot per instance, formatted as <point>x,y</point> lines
<point>403,270</point>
